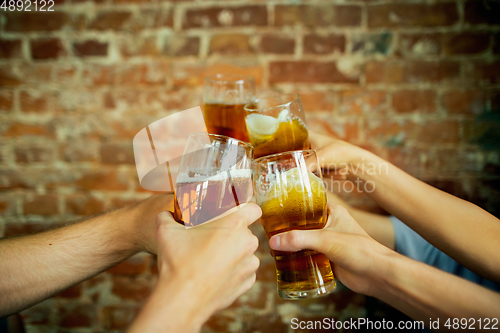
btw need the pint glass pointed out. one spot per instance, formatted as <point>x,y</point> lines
<point>214,176</point>
<point>224,97</point>
<point>293,198</point>
<point>276,124</point>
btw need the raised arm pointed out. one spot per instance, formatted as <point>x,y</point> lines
<point>459,228</point>
<point>35,267</point>
<point>366,266</point>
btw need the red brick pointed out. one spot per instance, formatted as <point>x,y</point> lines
<point>153,18</point>
<point>77,317</point>
<point>26,21</point>
<point>37,101</point>
<point>307,72</point>
<point>466,43</point>
<point>71,292</point>
<point>317,44</point>
<point>464,101</point>
<point>221,323</point>
<point>269,323</point>
<point>483,72</point>
<point>90,48</point>
<point>225,16</point>
<point>79,152</point>
<point>410,72</point>
<point>34,154</point>
<point>387,132</point>
<point>12,179</point>
<point>6,100</point>
<point>372,43</point>
<point>128,288</point>
<point>98,75</point>
<point>138,46</point>
<point>19,129</point>
<point>180,46</point>
<point>46,205</point>
<point>419,44</point>
<point>132,266</point>
<point>14,229</point>
<point>118,317</point>
<point>112,20</point>
<point>83,205</point>
<point>347,130</point>
<point>361,101</point>
<point>277,44</point>
<point>437,132</point>
<point>8,77</point>
<point>47,48</point>
<point>115,153</point>
<point>423,101</point>
<point>482,12</point>
<point>194,74</point>
<point>229,44</point>
<point>309,15</point>
<point>10,48</point>
<point>314,101</point>
<point>143,74</point>
<point>4,205</point>
<point>412,15</point>
<point>101,180</point>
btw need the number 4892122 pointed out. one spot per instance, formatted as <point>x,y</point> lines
<point>27,5</point>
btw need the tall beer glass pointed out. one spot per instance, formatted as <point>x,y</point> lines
<point>214,176</point>
<point>224,96</point>
<point>276,124</point>
<point>293,198</point>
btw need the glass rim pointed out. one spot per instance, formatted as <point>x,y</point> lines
<point>289,152</point>
<point>222,136</point>
<point>229,78</point>
<point>295,98</point>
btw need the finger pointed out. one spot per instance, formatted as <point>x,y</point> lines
<point>247,213</point>
<point>166,219</point>
<point>318,140</point>
<point>297,240</point>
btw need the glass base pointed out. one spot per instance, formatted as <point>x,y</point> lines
<point>306,294</point>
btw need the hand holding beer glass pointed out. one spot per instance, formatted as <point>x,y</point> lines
<point>214,176</point>
<point>224,96</point>
<point>276,124</point>
<point>294,198</point>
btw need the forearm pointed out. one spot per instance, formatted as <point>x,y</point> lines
<point>34,267</point>
<point>460,229</point>
<point>424,292</point>
<point>173,306</point>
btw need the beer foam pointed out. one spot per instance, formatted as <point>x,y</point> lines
<point>234,173</point>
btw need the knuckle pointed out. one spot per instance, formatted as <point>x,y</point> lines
<point>295,238</point>
<point>255,263</point>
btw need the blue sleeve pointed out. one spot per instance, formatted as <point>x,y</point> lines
<point>412,245</point>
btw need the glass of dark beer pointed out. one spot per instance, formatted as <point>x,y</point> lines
<point>292,197</point>
<point>214,177</point>
<point>224,96</point>
<point>276,124</point>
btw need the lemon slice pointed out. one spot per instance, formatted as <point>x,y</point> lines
<point>261,127</point>
<point>283,116</point>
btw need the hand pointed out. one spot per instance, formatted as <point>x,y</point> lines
<point>338,158</point>
<point>143,227</point>
<point>353,253</point>
<point>217,258</point>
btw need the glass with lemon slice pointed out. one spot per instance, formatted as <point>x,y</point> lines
<point>292,196</point>
<point>276,124</point>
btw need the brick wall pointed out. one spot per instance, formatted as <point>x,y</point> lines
<point>415,81</point>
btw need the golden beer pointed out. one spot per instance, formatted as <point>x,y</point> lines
<point>226,119</point>
<point>224,96</point>
<point>294,199</point>
<point>274,128</point>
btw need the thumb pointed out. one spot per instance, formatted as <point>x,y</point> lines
<point>297,240</point>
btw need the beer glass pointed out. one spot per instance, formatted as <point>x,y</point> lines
<point>276,124</point>
<point>293,198</point>
<point>224,96</point>
<point>214,176</point>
